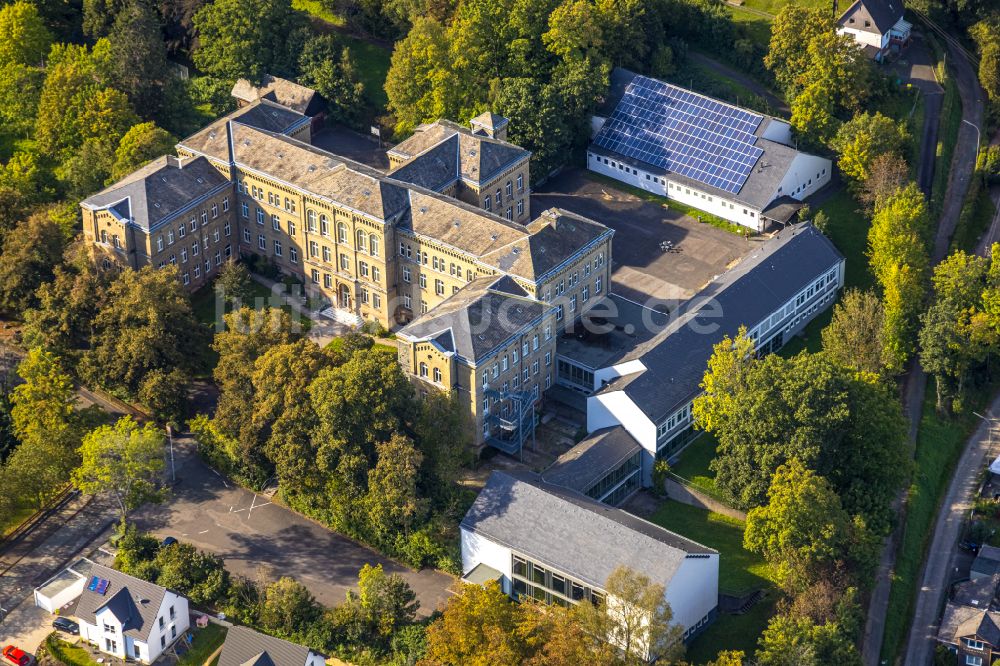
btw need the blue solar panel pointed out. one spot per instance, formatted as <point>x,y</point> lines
<point>683,132</point>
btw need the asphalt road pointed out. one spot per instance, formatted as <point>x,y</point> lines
<point>934,575</point>
<point>254,536</point>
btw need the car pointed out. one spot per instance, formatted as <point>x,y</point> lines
<point>67,625</point>
<point>17,656</point>
<point>169,541</point>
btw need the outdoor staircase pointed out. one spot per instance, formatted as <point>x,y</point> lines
<point>345,317</point>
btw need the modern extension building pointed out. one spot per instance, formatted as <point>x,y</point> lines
<point>736,164</point>
<point>130,618</point>
<point>877,26</point>
<point>645,383</point>
<point>559,546</point>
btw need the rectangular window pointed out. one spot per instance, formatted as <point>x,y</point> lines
<point>261,242</point>
<point>225,205</point>
<point>275,223</point>
<point>406,274</point>
<point>204,217</point>
<point>520,182</point>
<point>439,287</point>
<point>327,255</point>
<point>277,248</point>
<point>260,216</point>
<point>315,276</point>
<point>345,263</point>
<point>327,280</point>
<point>293,255</point>
<point>376,300</point>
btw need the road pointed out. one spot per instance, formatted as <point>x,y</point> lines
<point>934,575</point>
<point>252,533</point>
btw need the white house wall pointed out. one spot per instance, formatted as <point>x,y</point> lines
<point>604,375</point>
<point>181,621</point>
<point>713,204</point>
<point>866,38</point>
<point>315,659</point>
<point>806,174</point>
<point>693,591</point>
<point>477,549</point>
<point>616,408</point>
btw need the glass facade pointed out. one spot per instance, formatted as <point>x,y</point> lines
<point>531,579</point>
<point>619,483</point>
<point>574,376</point>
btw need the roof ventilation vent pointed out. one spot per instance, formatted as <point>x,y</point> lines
<point>246,142</point>
<point>280,155</point>
<point>472,152</point>
<point>200,180</point>
<point>457,223</point>
<point>312,167</point>
<point>211,135</point>
<point>367,193</point>
<point>516,250</point>
<point>423,209</point>
<point>493,236</point>
<point>156,204</point>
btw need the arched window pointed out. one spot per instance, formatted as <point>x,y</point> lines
<point>341,232</point>
<point>373,245</point>
<point>361,239</point>
<point>423,369</point>
<point>324,225</point>
<point>311,218</point>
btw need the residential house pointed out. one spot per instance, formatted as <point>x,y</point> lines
<point>877,26</point>
<point>973,634</point>
<point>130,618</point>
<point>246,647</point>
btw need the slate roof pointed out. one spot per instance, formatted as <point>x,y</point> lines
<point>568,531</point>
<point>246,647</point>
<point>135,602</point>
<point>481,317</point>
<point>213,140</point>
<point>587,462</point>
<point>885,14</point>
<point>158,191</point>
<point>987,562</point>
<point>325,175</point>
<point>977,592</point>
<point>676,358</point>
<point>489,121</point>
<point>478,158</point>
<point>961,621</point>
<point>287,93</point>
<point>761,183</point>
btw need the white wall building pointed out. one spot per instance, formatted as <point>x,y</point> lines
<point>729,162</point>
<point>648,385</point>
<point>64,588</point>
<point>556,545</point>
<point>128,617</point>
<point>877,26</point>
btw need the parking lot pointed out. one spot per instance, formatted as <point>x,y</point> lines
<point>254,535</point>
<point>641,269</point>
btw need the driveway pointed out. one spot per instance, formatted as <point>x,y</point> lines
<point>26,627</point>
<point>916,67</point>
<point>779,106</point>
<point>252,534</point>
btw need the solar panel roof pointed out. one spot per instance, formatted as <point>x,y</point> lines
<point>683,132</point>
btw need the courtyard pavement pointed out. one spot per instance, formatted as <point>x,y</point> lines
<point>254,535</point>
<point>641,269</point>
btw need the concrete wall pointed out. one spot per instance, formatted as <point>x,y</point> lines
<point>616,408</point>
<point>693,590</point>
<point>686,495</point>
<point>477,549</point>
<point>807,174</point>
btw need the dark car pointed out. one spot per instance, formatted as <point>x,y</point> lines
<point>67,625</point>
<point>169,541</point>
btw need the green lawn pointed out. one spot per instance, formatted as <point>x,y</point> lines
<point>70,655</point>
<point>939,444</point>
<point>693,463</point>
<point>951,121</point>
<point>319,10</point>
<point>206,641</point>
<point>204,305</point>
<point>373,66</point>
<point>848,229</point>
<point>758,27</point>
<point>696,76</point>
<point>9,522</point>
<point>977,214</point>
<point>775,6</point>
<point>739,572</point>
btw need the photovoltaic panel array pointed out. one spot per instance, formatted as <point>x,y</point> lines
<point>683,133</point>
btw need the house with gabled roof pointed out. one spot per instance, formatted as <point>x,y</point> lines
<point>877,26</point>
<point>972,633</point>
<point>246,647</point>
<point>130,618</point>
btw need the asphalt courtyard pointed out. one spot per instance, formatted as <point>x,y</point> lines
<point>254,535</point>
<point>642,269</point>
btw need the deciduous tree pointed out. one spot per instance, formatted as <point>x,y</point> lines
<point>24,39</point>
<point>27,260</point>
<point>855,336</point>
<point>124,461</point>
<point>139,56</point>
<point>140,145</point>
<point>863,139</point>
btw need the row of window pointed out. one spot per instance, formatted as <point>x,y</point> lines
<point>509,213</point>
<point>186,277</point>
<point>511,358</point>
<point>534,580</point>
<point>487,203</point>
<point>192,224</point>
<point>273,198</point>
<point>681,416</point>
<point>437,263</point>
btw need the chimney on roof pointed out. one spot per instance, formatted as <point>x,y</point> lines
<point>491,125</point>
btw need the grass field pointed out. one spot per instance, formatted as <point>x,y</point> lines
<point>977,214</point>
<point>693,464</point>
<point>939,444</point>
<point>206,641</point>
<point>740,571</point>
<point>758,26</point>
<point>696,76</point>
<point>848,229</point>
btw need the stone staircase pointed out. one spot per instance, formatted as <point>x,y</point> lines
<point>345,317</point>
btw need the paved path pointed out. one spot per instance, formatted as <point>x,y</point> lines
<point>777,104</point>
<point>250,532</point>
<point>929,600</point>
